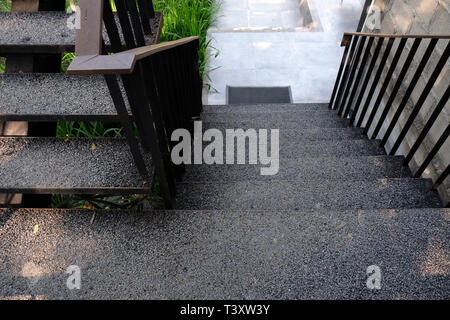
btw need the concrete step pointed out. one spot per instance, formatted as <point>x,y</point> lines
<point>307,195</point>
<point>226,254</point>
<point>266,108</point>
<point>74,98</point>
<point>305,169</point>
<point>311,134</point>
<point>46,32</point>
<point>285,120</point>
<point>282,116</point>
<point>57,166</point>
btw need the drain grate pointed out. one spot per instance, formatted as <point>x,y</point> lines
<point>254,95</point>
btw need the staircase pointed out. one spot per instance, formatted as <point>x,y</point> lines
<point>338,204</point>
<point>323,165</point>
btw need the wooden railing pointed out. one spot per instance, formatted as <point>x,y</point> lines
<point>364,62</point>
<point>161,82</point>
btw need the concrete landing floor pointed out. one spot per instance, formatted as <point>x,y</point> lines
<point>224,255</point>
<point>261,43</point>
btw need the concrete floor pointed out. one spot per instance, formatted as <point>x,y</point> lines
<point>260,43</point>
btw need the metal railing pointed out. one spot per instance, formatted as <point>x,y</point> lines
<point>161,82</point>
<point>364,62</point>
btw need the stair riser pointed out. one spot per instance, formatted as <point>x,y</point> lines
<point>279,124</point>
<point>307,169</point>
<point>267,108</point>
<point>286,195</point>
<point>290,149</point>
<point>282,116</point>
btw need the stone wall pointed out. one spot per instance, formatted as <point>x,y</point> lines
<point>419,17</point>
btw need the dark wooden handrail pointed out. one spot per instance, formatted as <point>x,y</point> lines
<point>408,36</point>
<point>122,62</point>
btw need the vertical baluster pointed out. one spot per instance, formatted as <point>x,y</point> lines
<point>114,90</point>
<point>437,71</point>
<point>127,31</point>
<point>351,80</point>
<point>375,82</point>
<point>168,106</point>
<point>398,83</point>
<point>374,59</point>
<point>111,27</point>
<point>346,73</point>
<point>359,74</point>
<point>433,152</point>
<point>442,177</point>
<point>136,23</point>
<point>151,10</point>
<point>159,125</point>
<point>145,18</point>
<point>385,83</point>
<point>345,42</point>
<point>428,125</point>
<point>196,81</point>
<point>410,89</point>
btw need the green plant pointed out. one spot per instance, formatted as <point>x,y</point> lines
<point>133,202</point>
<point>5,5</point>
<point>88,129</point>
<point>184,18</point>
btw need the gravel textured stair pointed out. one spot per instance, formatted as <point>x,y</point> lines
<point>266,108</point>
<point>226,254</point>
<point>55,165</point>
<point>282,116</point>
<point>73,98</point>
<point>23,32</point>
<point>301,195</point>
<point>306,169</point>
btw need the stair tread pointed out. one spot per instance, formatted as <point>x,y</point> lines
<point>72,97</point>
<point>299,195</point>
<point>306,169</point>
<point>75,165</point>
<point>45,31</point>
<point>244,255</point>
